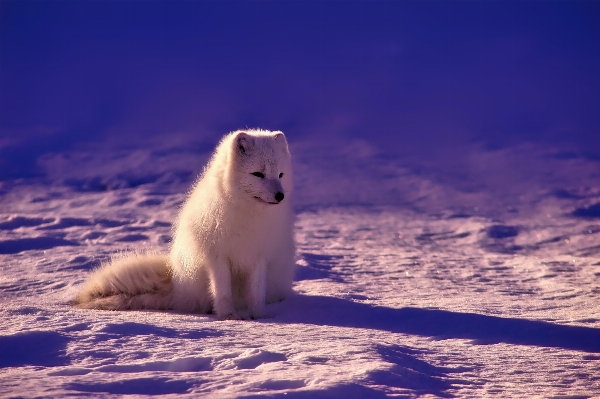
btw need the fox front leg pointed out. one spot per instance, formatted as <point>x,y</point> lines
<point>256,290</point>
<point>220,282</point>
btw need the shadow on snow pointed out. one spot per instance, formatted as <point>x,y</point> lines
<point>138,386</point>
<point>339,391</point>
<point>438,324</point>
<point>34,348</point>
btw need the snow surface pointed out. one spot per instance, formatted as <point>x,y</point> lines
<point>468,272</point>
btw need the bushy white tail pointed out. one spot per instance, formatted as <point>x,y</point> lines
<point>131,282</point>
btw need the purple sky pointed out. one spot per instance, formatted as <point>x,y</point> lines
<point>415,74</point>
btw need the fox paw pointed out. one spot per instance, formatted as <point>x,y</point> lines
<point>255,316</point>
<point>230,316</point>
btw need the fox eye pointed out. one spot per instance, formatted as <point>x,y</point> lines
<point>280,175</point>
<point>258,174</point>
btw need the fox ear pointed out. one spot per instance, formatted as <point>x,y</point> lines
<point>244,143</point>
<point>280,139</point>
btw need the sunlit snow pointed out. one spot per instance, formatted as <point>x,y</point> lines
<point>470,275</point>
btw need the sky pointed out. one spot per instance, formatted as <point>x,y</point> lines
<point>403,74</point>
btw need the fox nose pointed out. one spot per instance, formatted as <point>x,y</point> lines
<point>279,196</point>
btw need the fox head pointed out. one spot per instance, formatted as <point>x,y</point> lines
<point>260,167</point>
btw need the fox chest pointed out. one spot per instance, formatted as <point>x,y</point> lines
<point>246,244</point>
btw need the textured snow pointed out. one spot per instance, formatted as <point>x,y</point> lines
<point>465,273</point>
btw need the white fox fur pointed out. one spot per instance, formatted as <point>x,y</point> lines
<point>233,247</point>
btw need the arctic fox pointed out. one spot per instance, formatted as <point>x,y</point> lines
<point>233,247</point>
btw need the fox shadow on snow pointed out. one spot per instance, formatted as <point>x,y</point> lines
<point>407,370</point>
<point>438,324</point>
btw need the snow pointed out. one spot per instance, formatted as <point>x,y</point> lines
<point>467,272</point>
